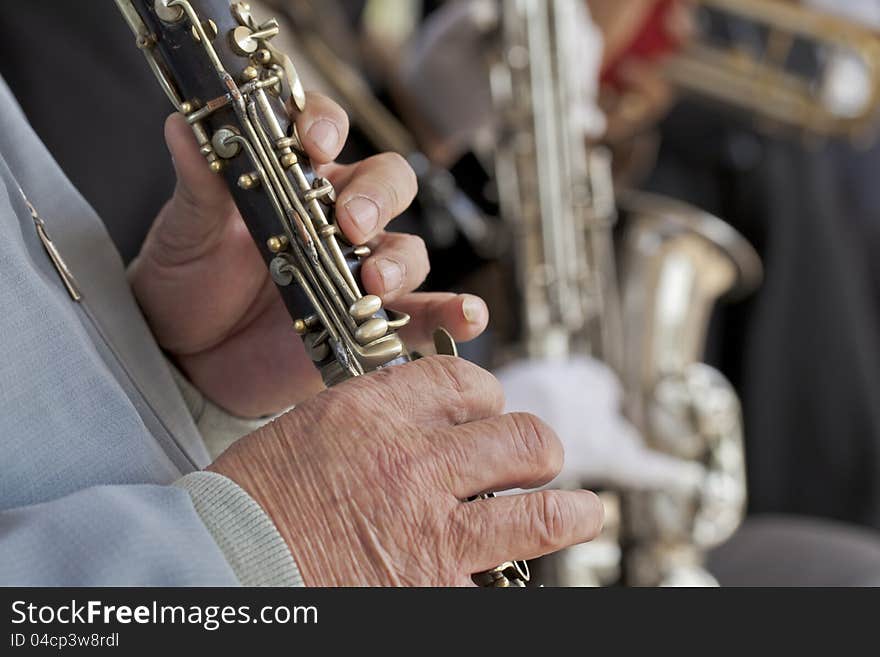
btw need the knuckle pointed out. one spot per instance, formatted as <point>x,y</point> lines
<point>462,386</point>
<point>551,519</point>
<point>464,530</point>
<point>475,385</point>
<point>415,245</point>
<point>451,373</point>
<point>399,163</point>
<point>597,515</point>
<point>394,180</point>
<point>448,370</point>
<point>319,105</point>
<point>538,443</point>
<point>390,204</point>
<point>494,391</point>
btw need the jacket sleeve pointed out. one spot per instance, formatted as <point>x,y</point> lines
<point>202,531</point>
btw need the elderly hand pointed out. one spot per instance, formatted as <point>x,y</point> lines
<point>207,294</point>
<point>365,481</point>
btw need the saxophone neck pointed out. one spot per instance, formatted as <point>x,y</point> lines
<point>555,189</point>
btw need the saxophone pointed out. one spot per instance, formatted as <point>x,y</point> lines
<point>218,67</point>
<point>556,191</point>
<point>678,261</point>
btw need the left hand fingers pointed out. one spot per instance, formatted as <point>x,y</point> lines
<point>371,193</point>
<point>465,316</point>
<point>323,128</point>
<point>398,264</point>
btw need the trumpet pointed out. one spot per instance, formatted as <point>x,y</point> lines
<point>788,64</point>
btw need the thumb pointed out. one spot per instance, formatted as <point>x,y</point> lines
<point>203,199</point>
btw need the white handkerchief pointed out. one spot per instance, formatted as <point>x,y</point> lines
<point>582,399</point>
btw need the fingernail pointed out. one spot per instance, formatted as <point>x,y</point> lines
<point>364,212</point>
<point>391,273</point>
<point>472,309</point>
<point>325,135</point>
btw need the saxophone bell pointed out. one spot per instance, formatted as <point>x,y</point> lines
<point>678,261</point>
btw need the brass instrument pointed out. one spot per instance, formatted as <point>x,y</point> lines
<point>557,192</point>
<point>678,261</point>
<point>218,66</point>
<point>755,61</point>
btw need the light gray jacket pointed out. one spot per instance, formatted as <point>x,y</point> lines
<point>99,454</point>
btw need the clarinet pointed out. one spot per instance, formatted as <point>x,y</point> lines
<point>218,67</point>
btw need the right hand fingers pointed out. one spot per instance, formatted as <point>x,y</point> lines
<point>511,451</point>
<point>519,527</point>
<point>436,391</point>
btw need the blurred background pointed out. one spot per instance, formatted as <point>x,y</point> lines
<point>670,206</point>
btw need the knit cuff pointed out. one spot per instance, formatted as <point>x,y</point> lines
<point>244,532</point>
<point>218,428</point>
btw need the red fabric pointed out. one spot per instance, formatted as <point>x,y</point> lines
<point>652,42</point>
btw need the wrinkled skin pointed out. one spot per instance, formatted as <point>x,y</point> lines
<point>211,303</point>
<point>381,467</point>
